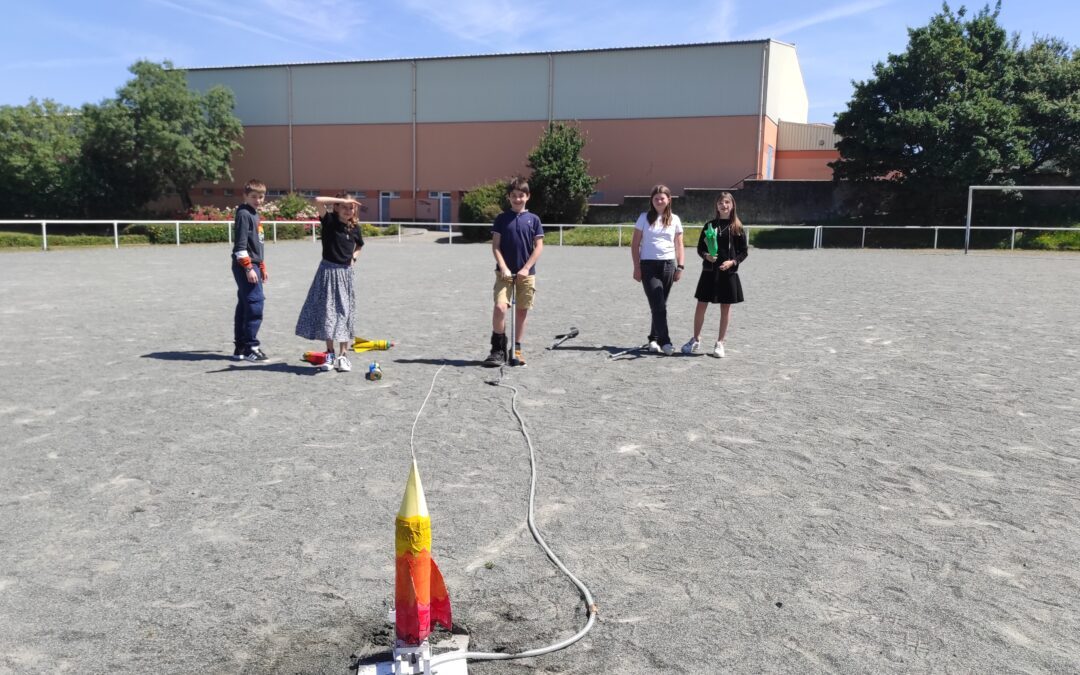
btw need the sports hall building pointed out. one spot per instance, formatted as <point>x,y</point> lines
<point>412,135</point>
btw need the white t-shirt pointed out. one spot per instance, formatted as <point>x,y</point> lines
<point>657,241</point>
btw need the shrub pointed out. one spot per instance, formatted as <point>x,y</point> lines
<point>369,230</point>
<point>165,233</point>
<point>590,236</point>
<point>480,205</point>
<point>560,179</point>
<point>782,237</point>
<point>291,231</point>
<point>1049,241</point>
<point>20,240</point>
<point>292,206</point>
<point>208,213</point>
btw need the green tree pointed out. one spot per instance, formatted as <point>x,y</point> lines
<point>937,118</point>
<point>157,136</point>
<point>480,205</point>
<point>1048,95</point>
<point>560,183</point>
<point>39,152</point>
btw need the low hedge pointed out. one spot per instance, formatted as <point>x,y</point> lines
<point>1049,241</point>
<point>20,240</point>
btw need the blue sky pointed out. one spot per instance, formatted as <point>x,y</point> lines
<point>77,52</point>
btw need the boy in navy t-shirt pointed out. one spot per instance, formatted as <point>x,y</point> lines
<point>517,239</point>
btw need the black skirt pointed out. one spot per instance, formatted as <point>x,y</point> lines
<point>719,287</point>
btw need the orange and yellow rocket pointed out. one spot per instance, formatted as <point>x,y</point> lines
<point>361,344</point>
<point>420,597</point>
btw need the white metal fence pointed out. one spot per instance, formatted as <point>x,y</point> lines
<point>455,229</point>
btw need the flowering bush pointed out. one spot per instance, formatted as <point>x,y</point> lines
<point>208,213</point>
<point>290,207</point>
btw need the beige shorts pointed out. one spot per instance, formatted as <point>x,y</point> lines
<point>525,289</point>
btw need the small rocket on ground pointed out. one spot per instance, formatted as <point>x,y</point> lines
<point>362,344</point>
<point>420,597</point>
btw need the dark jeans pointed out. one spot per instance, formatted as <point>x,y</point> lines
<point>656,278</point>
<point>249,308</point>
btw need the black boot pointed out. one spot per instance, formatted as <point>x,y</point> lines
<point>497,357</point>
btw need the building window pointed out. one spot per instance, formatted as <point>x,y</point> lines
<point>208,192</point>
<point>310,194</point>
<point>229,192</point>
<point>358,194</point>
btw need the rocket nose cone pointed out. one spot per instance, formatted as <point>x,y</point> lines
<point>413,502</point>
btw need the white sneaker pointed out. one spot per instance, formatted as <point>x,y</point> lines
<point>668,349</point>
<point>718,350</point>
<point>693,346</point>
<point>328,363</point>
<point>342,364</point>
<point>654,347</point>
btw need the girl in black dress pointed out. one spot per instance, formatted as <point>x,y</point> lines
<point>329,312</point>
<point>719,281</point>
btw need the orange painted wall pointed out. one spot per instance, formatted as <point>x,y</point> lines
<point>805,164</point>
<point>630,155</point>
<point>635,155</point>
<point>769,133</point>
<point>265,156</point>
<point>460,156</point>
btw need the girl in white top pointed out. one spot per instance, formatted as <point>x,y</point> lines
<point>657,251</point>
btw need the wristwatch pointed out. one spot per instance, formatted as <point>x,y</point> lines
<point>680,267</point>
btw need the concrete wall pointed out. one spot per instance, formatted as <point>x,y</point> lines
<point>805,164</point>
<point>759,202</point>
<point>785,96</point>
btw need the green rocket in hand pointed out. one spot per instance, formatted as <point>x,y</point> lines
<point>710,240</point>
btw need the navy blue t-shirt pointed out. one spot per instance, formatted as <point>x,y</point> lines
<point>518,233</point>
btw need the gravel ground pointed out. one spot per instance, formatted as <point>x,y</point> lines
<point>881,477</point>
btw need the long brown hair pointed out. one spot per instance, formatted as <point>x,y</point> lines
<point>736,224</point>
<point>355,220</point>
<point>665,217</point>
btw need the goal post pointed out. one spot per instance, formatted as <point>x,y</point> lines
<point>971,194</point>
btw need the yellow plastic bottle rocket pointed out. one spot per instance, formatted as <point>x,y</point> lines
<point>362,344</point>
<point>420,597</point>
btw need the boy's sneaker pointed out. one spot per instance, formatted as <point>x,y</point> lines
<point>342,364</point>
<point>496,358</point>
<point>238,353</point>
<point>718,350</point>
<point>654,347</point>
<point>693,346</point>
<point>254,354</point>
<point>519,357</point>
<point>668,349</point>
<point>327,363</point>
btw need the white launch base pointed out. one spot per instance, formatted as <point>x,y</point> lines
<point>417,660</point>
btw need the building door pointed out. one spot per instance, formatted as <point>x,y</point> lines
<point>444,207</point>
<point>384,205</point>
<point>445,214</point>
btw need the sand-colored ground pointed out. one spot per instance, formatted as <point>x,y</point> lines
<point>883,475</point>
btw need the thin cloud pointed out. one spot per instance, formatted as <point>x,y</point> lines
<point>239,25</point>
<point>841,12</point>
<point>481,20</point>
<point>333,20</point>
<point>720,24</point>
<point>49,64</point>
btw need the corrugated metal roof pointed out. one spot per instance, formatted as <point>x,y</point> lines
<point>483,56</point>
<point>799,136</point>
